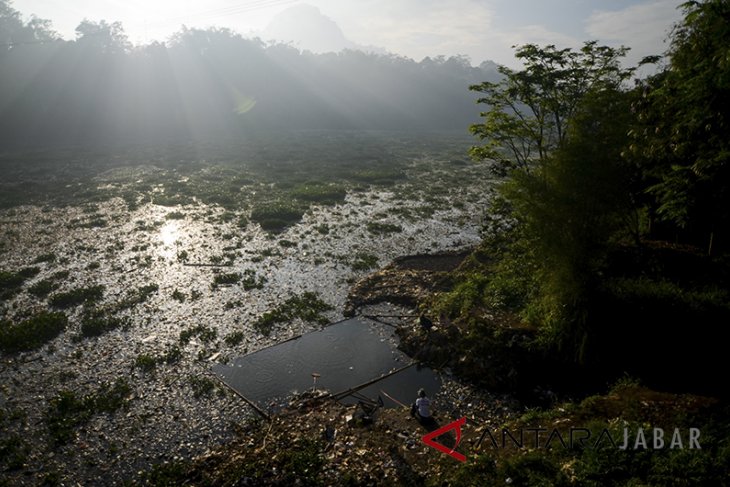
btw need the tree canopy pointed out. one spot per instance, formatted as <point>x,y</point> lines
<point>529,110</point>
<point>616,201</point>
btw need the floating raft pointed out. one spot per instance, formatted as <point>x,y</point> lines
<point>353,355</point>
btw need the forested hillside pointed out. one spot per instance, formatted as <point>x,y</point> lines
<point>99,88</point>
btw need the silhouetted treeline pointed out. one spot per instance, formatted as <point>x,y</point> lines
<point>99,89</point>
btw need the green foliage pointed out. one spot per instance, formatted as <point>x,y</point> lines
<point>202,332</point>
<point>380,228</point>
<point>178,296</point>
<point>201,386</point>
<point>43,288</point>
<point>137,296</point>
<point>75,297</point>
<point>680,140</point>
<point>96,323</point>
<point>287,244</point>
<point>32,333</point>
<point>529,110</point>
<point>145,362</point>
<point>276,215</point>
<point>172,355</point>
<point>307,307</point>
<point>302,463</point>
<point>226,279</point>
<point>68,411</point>
<point>11,282</point>
<point>363,261</point>
<point>234,338</point>
<point>328,194</point>
<point>49,257</point>
<point>467,295</point>
<point>13,452</point>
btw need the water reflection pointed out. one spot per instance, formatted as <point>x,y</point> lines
<point>169,235</point>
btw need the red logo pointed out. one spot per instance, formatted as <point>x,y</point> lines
<point>456,425</point>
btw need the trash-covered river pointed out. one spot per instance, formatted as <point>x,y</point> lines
<point>156,295</point>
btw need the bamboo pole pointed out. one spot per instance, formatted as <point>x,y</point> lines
<point>349,391</point>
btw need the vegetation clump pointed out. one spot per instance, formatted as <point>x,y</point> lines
<point>328,194</point>
<point>43,288</point>
<point>75,297</point>
<point>306,306</point>
<point>202,332</point>
<point>148,362</point>
<point>226,279</point>
<point>277,215</point>
<point>12,282</point>
<point>68,411</point>
<point>138,296</point>
<point>234,338</point>
<point>380,228</point>
<point>364,262</point>
<point>95,323</point>
<point>31,333</point>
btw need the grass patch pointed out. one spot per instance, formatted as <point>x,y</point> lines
<point>277,215</point>
<point>364,262</point>
<point>96,323</point>
<point>32,333</point>
<point>287,244</point>
<point>226,279</point>
<point>75,297</point>
<point>148,362</point>
<point>49,257</point>
<point>327,194</point>
<point>202,332</point>
<point>379,228</point>
<point>201,386</point>
<point>68,411</point>
<point>250,280</point>
<point>12,282</point>
<point>138,296</point>
<point>43,288</point>
<point>234,338</point>
<point>382,176</point>
<point>307,307</point>
<point>13,452</point>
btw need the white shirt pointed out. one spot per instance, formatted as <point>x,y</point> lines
<point>423,404</point>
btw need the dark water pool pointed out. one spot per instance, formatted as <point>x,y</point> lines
<point>344,355</point>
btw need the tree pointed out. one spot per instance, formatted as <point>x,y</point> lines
<point>529,109</point>
<point>102,36</point>
<point>14,31</point>
<point>682,141</point>
<point>571,212</point>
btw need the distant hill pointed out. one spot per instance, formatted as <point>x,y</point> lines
<point>100,89</point>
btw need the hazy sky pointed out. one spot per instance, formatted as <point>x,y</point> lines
<point>481,29</point>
